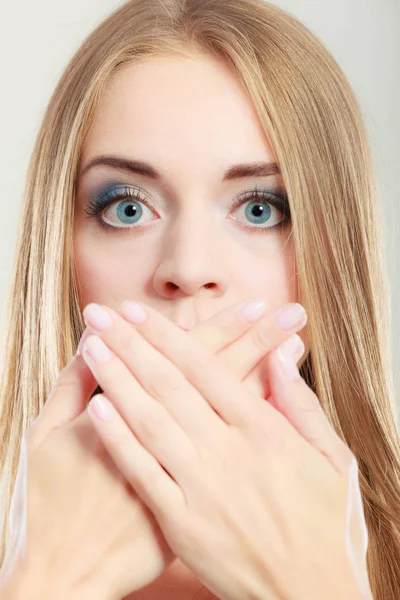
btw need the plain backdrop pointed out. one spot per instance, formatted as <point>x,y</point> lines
<point>37,39</point>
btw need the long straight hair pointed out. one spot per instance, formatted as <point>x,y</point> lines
<point>312,119</point>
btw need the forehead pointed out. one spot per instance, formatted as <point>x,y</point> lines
<point>178,111</point>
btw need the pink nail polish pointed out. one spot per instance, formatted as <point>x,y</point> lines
<point>82,341</point>
<point>97,349</point>
<point>286,353</point>
<point>254,310</point>
<point>133,311</point>
<point>101,408</point>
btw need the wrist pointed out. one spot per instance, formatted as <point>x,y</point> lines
<point>21,583</point>
<point>356,587</point>
<point>361,589</point>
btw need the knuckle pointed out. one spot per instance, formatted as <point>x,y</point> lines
<point>164,383</point>
<point>205,359</point>
<point>126,342</point>
<point>261,338</point>
<point>63,382</point>
<point>204,362</point>
<point>277,441</point>
<point>269,431</point>
<point>153,423</point>
<point>65,378</point>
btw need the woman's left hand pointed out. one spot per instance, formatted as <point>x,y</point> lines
<point>255,504</point>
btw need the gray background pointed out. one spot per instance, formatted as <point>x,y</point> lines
<point>37,39</point>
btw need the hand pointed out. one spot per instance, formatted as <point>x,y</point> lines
<point>243,348</point>
<point>247,360</point>
<point>75,522</point>
<point>198,450</point>
<point>220,333</point>
<point>64,420</point>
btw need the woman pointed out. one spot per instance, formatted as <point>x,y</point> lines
<point>192,88</point>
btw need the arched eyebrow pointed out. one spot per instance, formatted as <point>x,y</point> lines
<point>240,171</point>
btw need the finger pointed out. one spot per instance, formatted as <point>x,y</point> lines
<point>152,355</point>
<point>142,471</point>
<point>225,326</point>
<point>154,426</point>
<point>257,380</point>
<point>277,326</point>
<point>301,406</point>
<point>229,324</point>
<point>239,334</point>
<point>242,342</point>
<point>67,399</point>
<point>178,354</point>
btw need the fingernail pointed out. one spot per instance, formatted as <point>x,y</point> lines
<point>299,353</point>
<point>97,349</point>
<point>254,310</point>
<point>133,311</point>
<point>286,352</point>
<point>97,317</point>
<point>293,345</point>
<point>291,316</point>
<point>82,341</point>
<point>101,408</point>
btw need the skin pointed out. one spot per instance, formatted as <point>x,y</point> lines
<point>192,120</point>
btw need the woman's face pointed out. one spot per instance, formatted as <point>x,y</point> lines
<point>174,240</point>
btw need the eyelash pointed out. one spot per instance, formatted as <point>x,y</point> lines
<point>98,205</point>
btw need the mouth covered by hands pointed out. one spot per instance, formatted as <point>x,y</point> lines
<point>244,490</point>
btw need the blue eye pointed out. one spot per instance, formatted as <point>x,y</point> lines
<point>130,212</point>
<point>258,210</point>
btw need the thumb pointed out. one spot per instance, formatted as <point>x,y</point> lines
<point>67,400</point>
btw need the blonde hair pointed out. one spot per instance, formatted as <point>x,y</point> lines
<point>313,121</point>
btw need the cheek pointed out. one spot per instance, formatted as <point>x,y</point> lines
<point>105,272</point>
<point>269,273</point>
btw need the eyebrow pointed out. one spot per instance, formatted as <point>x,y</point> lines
<point>240,171</point>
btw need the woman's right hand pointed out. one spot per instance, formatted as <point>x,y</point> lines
<point>77,526</point>
<point>96,535</point>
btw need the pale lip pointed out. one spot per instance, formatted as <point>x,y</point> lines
<point>184,328</point>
